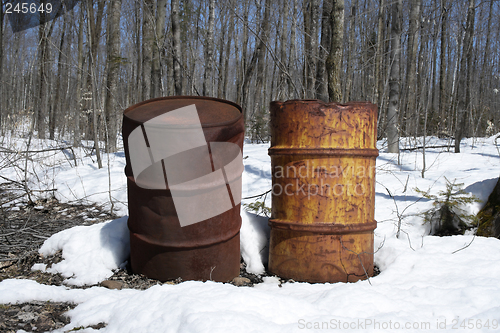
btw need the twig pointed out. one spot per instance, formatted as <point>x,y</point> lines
<point>359,258</point>
<point>417,148</point>
<point>4,150</point>
<point>466,246</point>
<point>257,196</point>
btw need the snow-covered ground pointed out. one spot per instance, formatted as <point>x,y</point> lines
<point>427,283</point>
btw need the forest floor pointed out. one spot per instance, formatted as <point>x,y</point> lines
<point>24,226</point>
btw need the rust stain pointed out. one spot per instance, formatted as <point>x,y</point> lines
<point>159,247</point>
<point>323,158</point>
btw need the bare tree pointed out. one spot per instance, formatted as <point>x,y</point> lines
<point>350,52</point>
<point>334,60</point>
<point>411,72</point>
<point>394,81</point>
<point>310,12</point>
<point>147,47</point>
<point>176,41</point>
<point>2,77</point>
<point>93,32</point>
<point>464,77</point>
<point>378,86</point>
<point>79,88</point>
<point>157,88</point>
<point>292,57</point>
<point>283,36</point>
<point>114,60</point>
<point>258,55</point>
<point>442,67</point>
<point>209,52</point>
<point>53,110</point>
<point>42,92</point>
<point>324,50</point>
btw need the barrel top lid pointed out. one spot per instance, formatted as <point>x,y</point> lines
<point>212,111</point>
<point>320,102</point>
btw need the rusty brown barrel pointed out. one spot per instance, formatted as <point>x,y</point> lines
<point>323,167</point>
<point>162,246</point>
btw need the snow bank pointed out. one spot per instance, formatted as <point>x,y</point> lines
<point>90,253</point>
<point>439,281</point>
<point>426,283</point>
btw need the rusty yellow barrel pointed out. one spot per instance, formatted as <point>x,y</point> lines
<point>323,168</point>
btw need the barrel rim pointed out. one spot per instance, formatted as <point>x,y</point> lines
<point>323,227</point>
<point>206,125</point>
<point>194,245</point>
<point>318,101</point>
<point>361,152</point>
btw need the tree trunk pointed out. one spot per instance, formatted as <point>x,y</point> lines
<point>138,47</point>
<point>79,83</point>
<point>334,60</point>
<point>224,32</point>
<point>291,61</point>
<point>443,123</point>
<point>411,69</point>
<point>209,52</point>
<point>350,51</point>
<point>157,88</point>
<point>282,32</point>
<point>226,58</point>
<point>259,96</point>
<point>60,80</point>
<point>1,71</point>
<point>93,78</point>
<point>257,56</point>
<point>463,94</point>
<point>147,47</point>
<point>310,12</point>
<point>394,81</point>
<point>176,41</point>
<point>378,86</point>
<point>94,28</point>
<point>111,105</point>
<point>41,105</point>
<point>324,50</point>
<point>243,59</point>
<point>486,55</point>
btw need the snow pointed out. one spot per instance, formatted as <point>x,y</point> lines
<point>90,253</point>
<point>427,283</point>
